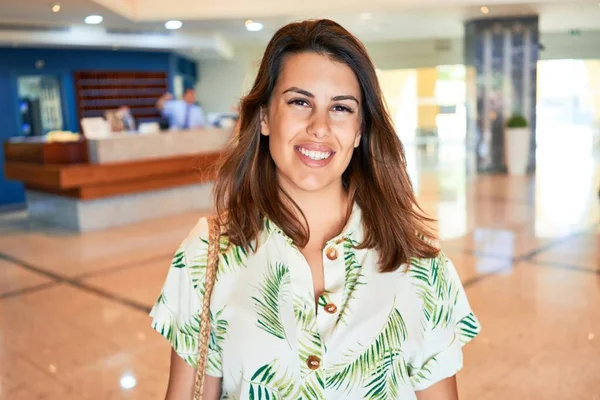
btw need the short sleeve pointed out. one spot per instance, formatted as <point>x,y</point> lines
<point>169,107</point>
<point>176,313</point>
<point>450,324</point>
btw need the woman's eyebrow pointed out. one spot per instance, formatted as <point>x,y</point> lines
<point>309,94</point>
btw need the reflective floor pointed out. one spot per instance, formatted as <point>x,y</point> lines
<point>73,309</point>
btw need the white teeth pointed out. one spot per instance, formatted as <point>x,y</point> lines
<point>315,155</point>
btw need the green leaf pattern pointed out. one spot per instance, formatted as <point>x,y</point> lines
<point>375,369</point>
<point>380,362</point>
<point>218,333</point>
<point>276,284</point>
<point>309,344</point>
<point>270,382</point>
<point>183,337</point>
<point>353,275</point>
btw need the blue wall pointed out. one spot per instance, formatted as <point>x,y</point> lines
<point>63,63</point>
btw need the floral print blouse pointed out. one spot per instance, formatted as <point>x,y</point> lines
<point>372,335</point>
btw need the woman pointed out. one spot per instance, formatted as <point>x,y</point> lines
<point>329,285</point>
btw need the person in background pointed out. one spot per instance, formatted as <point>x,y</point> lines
<point>181,114</point>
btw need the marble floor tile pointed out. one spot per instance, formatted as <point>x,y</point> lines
<point>14,278</point>
<point>70,254</point>
<point>471,267</point>
<point>87,336</point>
<point>140,283</point>
<point>45,389</point>
<point>553,374</point>
<point>581,251</point>
<point>499,243</point>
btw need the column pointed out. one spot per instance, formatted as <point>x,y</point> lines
<point>427,108</point>
<point>502,55</point>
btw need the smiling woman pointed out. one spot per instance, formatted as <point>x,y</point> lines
<point>329,283</point>
<point>314,116</point>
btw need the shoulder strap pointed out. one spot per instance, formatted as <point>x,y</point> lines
<point>211,274</point>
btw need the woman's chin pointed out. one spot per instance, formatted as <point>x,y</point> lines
<point>313,184</point>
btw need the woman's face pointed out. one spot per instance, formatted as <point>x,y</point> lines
<point>313,121</point>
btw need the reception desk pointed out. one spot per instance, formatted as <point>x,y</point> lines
<point>96,184</point>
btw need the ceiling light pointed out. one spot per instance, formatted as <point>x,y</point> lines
<point>93,19</point>
<point>366,16</point>
<point>485,10</point>
<point>253,26</point>
<point>56,8</point>
<point>173,24</point>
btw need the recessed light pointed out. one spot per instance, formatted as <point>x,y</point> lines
<point>253,26</point>
<point>485,10</point>
<point>56,8</point>
<point>173,24</point>
<point>93,19</point>
<point>366,16</point>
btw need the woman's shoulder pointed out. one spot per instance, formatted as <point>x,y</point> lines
<point>439,257</point>
<point>194,248</point>
<point>195,243</point>
<point>429,269</point>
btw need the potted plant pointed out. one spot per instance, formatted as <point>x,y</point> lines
<point>517,139</point>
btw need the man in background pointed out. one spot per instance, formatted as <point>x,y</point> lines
<point>182,114</point>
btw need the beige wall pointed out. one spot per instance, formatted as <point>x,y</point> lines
<point>559,46</point>
<point>222,83</point>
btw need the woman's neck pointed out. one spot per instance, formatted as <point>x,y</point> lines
<point>325,212</point>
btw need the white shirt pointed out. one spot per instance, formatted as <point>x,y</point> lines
<point>182,115</point>
<point>373,335</point>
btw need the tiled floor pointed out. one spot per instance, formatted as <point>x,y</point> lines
<point>73,309</point>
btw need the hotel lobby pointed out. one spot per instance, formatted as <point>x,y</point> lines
<point>89,223</point>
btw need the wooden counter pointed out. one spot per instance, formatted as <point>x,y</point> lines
<point>59,171</point>
<point>64,168</point>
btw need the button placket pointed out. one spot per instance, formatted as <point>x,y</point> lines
<point>334,273</point>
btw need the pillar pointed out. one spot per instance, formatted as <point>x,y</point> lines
<point>427,108</point>
<point>501,57</point>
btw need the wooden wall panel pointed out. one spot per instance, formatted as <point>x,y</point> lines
<point>99,91</point>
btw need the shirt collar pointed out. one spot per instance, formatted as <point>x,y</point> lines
<point>353,229</point>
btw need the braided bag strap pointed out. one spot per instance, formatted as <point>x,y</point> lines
<point>211,275</point>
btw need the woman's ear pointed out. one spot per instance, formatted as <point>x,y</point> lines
<point>264,122</point>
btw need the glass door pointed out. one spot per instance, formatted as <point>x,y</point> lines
<point>40,104</point>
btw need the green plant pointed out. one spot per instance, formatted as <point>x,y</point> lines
<point>517,121</point>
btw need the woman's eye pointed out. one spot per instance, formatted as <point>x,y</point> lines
<point>299,102</point>
<point>342,109</point>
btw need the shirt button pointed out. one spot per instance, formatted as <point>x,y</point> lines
<point>332,253</point>
<point>313,362</point>
<point>330,308</point>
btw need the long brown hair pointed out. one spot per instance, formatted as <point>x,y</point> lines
<point>247,189</point>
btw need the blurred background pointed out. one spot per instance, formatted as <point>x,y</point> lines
<point>113,112</point>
